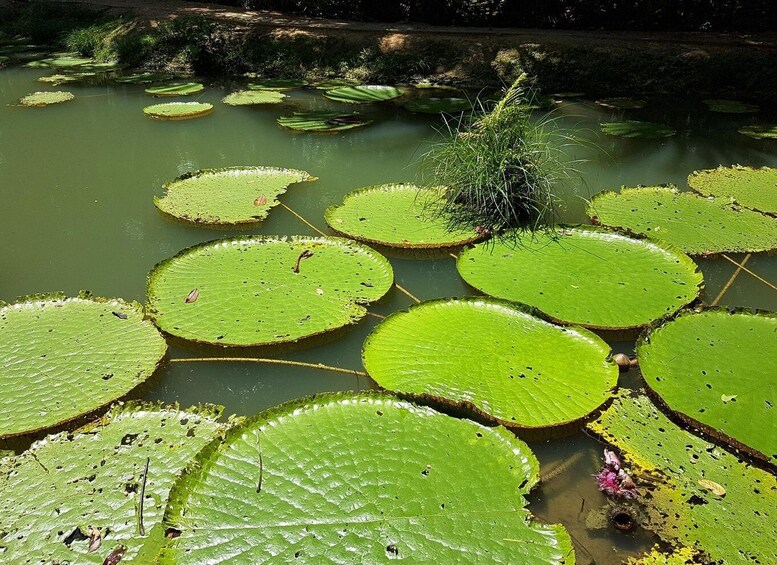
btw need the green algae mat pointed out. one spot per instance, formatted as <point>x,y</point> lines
<point>637,130</point>
<point>585,276</point>
<point>228,196</point>
<point>494,357</point>
<point>439,105</point>
<point>716,370</point>
<point>751,188</point>
<point>46,98</point>
<point>761,131</point>
<point>178,110</point>
<point>176,89</point>
<point>677,469</point>
<point>251,97</point>
<point>322,122</point>
<point>63,357</point>
<point>76,490</point>
<point>396,215</point>
<point>363,94</point>
<point>344,478</point>
<point>693,224</point>
<point>730,106</point>
<point>265,290</point>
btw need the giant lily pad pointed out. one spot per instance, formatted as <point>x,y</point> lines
<point>752,188</point>
<point>759,131</point>
<point>439,105</point>
<point>636,129</point>
<point>590,277</point>
<point>322,122</point>
<point>65,357</point>
<point>178,110</point>
<point>364,478</point>
<point>730,107</point>
<point>245,291</point>
<point>277,84</point>
<point>249,97</point>
<point>233,195</point>
<point>515,368</point>
<point>396,215</point>
<point>622,103</point>
<point>67,78</point>
<point>60,62</point>
<point>331,83</point>
<point>691,223</point>
<point>363,94</point>
<point>46,98</point>
<point>52,494</point>
<point>176,89</point>
<point>716,370</point>
<point>677,468</point>
<point>144,78</point>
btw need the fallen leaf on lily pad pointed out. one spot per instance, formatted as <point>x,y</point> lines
<point>712,486</point>
<point>726,398</point>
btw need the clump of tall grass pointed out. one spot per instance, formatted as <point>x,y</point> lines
<point>501,166</point>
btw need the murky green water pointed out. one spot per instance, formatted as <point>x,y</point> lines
<point>76,187</point>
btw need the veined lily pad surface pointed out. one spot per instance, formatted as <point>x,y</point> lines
<point>730,107</point>
<point>178,110</point>
<point>520,370</point>
<point>622,103</point>
<point>637,129</point>
<point>585,276</point>
<point>176,89</point>
<point>694,224</point>
<point>717,369</point>
<point>336,83</point>
<point>363,94</point>
<point>322,122</point>
<point>367,478</point>
<point>52,494</point>
<point>62,357</point>
<point>759,131</point>
<point>439,105</point>
<point>62,62</point>
<point>396,215</point>
<point>46,98</point>
<point>144,78</point>
<point>277,84</point>
<point>752,188</point>
<point>245,291</point>
<point>250,97</point>
<point>674,466</point>
<point>234,195</point>
<point>68,78</point>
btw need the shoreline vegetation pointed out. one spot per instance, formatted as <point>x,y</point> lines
<point>213,43</point>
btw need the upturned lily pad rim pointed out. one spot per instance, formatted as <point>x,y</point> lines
<point>760,131</point>
<point>260,238</point>
<point>699,188</point>
<point>83,295</point>
<point>381,187</point>
<point>283,121</point>
<point>202,172</point>
<point>204,108</point>
<point>475,413</point>
<point>726,441</point>
<point>681,255</point>
<point>335,93</point>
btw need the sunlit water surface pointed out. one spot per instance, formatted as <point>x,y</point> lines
<point>76,188</point>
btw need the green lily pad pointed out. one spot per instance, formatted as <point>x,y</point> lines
<point>297,482</point>
<point>363,94</point>
<point>429,85</point>
<point>396,215</point>
<point>53,493</point>
<point>69,78</point>
<point>759,131</point>
<point>249,97</point>
<point>694,224</point>
<point>669,463</point>
<point>730,107</point>
<point>679,556</point>
<point>233,195</point>
<point>636,129</point>
<point>144,78</point>
<point>439,105</point>
<point>178,110</point>
<point>46,98</point>
<point>176,89</point>
<point>277,84</point>
<point>65,357</point>
<point>322,122</point>
<point>244,291</point>
<point>61,62</point>
<point>488,354</point>
<point>590,277</point>
<point>335,83</point>
<point>622,103</point>
<point>752,188</point>
<point>716,370</point>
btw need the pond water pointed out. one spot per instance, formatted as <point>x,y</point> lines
<point>77,182</point>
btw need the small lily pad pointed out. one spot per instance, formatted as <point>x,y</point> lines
<point>752,188</point>
<point>439,105</point>
<point>277,84</point>
<point>265,290</point>
<point>233,195</point>
<point>46,98</point>
<point>65,357</point>
<point>178,110</point>
<point>396,215</point>
<point>730,107</point>
<point>176,89</point>
<point>250,97</point>
<point>759,131</point>
<point>511,366</point>
<point>322,122</point>
<point>336,83</point>
<point>638,130</point>
<point>622,103</point>
<point>363,94</point>
<point>144,78</point>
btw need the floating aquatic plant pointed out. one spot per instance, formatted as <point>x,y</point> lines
<point>622,103</point>
<point>439,105</point>
<point>362,94</point>
<point>752,188</point>
<point>730,107</point>
<point>144,78</point>
<point>178,110</point>
<point>176,89</point>
<point>759,131</point>
<point>322,122</point>
<point>249,97</point>
<point>637,129</point>
<point>278,84</point>
<point>46,98</point>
